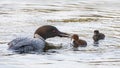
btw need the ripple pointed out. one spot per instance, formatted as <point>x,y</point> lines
<point>75,20</point>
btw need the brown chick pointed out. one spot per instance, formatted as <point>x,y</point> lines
<point>78,42</point>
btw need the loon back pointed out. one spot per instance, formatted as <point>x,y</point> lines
<point>26,45</point>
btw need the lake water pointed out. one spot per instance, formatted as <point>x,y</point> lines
<point>82,17</point>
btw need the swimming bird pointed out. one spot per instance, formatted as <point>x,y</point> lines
<point>98,36</point>
<point>78,42</point>
<point>36,44</point>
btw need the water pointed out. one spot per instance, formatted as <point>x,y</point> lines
<point>82,17</point>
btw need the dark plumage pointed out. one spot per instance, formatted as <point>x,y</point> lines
<point>98,36</point>
<point>49,31</point>
<point>78,42</point>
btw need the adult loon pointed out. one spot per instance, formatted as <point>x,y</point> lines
<point>36,44</point>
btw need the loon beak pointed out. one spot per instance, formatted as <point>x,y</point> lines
<point>62,34</point>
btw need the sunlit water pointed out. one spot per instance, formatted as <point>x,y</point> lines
<point>82,17</point>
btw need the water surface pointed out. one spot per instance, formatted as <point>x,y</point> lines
<point>82,17</point>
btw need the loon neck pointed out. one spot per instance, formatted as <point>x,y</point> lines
<point>38,36</point>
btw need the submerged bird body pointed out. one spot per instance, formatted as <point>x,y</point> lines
<point>80,43</point>
<point>26,45</point>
